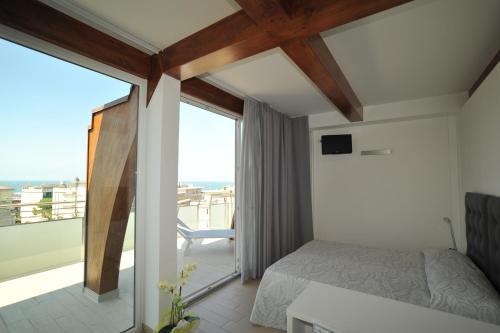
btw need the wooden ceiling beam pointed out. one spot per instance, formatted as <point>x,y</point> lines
<point>484,74</point>
<point>266,24</point>
<point>238,36</point>
<point>196,88</point>
<point>313,17</point>
<point>314,58</point>
<point>211,94</point>
<point>44,22</point>
<point>154,76</point>
<point>310,54</point>
<point>226,41</point>
<point>269,15</point>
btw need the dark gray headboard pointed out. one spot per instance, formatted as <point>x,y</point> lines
<point>482,219</point>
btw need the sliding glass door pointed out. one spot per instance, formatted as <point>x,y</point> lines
<point>67,196</point>
<point>206,194</point>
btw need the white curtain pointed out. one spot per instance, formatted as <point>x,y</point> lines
<point>275,214</point>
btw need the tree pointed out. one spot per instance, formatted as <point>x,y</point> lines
<point>17,211</point>
<point>44,210</point>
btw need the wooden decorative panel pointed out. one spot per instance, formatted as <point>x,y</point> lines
<point>112,154</point>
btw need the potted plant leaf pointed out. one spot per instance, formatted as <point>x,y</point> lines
<point>176,319</point>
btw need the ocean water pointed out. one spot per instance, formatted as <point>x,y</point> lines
<point>17,185</point>
<point>209,186</point>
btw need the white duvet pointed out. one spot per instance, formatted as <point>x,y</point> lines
<point>399,275</point>
<point>393,274</point>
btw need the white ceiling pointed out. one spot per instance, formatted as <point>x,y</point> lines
<point>159,22</point>
<point>271,77</point>
<point>421,49</point>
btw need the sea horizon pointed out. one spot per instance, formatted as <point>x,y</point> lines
<point>208,185</point>
<point>18,185</point>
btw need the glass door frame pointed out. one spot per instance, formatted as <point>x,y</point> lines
<point>39,45</point>
<point>237,151</point>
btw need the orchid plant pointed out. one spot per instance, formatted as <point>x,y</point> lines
<point>176,319</point>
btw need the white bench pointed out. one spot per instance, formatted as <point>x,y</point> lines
<point>346,311</point>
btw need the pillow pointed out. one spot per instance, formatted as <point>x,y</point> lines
<point>457,286</point>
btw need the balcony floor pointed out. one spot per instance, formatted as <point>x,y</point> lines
<point>213,257</point>
<point>53,301</point>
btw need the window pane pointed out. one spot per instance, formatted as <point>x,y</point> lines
<point>206,195</point>
<point>46,107</point>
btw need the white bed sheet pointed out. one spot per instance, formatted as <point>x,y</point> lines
<point>398,275</point>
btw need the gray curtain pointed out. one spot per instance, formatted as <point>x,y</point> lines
<point>275,215</point>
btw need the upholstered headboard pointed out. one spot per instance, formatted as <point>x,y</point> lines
<point>482,219</point>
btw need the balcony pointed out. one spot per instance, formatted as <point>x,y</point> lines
<point>45,272</point>
<point>41,282</point>
<point>215,257</point>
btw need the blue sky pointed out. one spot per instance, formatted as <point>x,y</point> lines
<point>206,145</point>
<point>45,110</point>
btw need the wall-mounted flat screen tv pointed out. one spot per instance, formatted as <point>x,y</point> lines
<point>336,144</point>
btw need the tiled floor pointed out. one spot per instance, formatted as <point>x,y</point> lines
<point>65,310</point>
<point>55,309</point>
<point>214,258</point>
<point>228,310</point>
<point>68,310</point>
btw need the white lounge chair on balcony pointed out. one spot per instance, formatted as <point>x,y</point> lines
<point>189,234</point>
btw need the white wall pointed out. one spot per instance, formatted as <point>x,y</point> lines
<point>479,138</point>
<point>412,109</point>
<point>396,200</point>
<point>161,195</point>
<point>479,134</point>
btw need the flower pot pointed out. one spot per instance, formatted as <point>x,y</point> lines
<point>192,324</point>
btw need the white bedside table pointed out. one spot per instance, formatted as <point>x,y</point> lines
<point>346,311</point>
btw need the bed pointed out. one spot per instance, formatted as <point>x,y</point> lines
<point>442,279</point>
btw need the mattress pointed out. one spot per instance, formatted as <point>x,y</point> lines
<point>394,274</point>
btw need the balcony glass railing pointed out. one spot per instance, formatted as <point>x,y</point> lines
<point>43,211</point>
<point>201,209</point>
<point>43,241</point>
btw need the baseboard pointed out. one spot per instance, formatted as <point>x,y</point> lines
<point>147,329</point>
<point>100,298</point>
